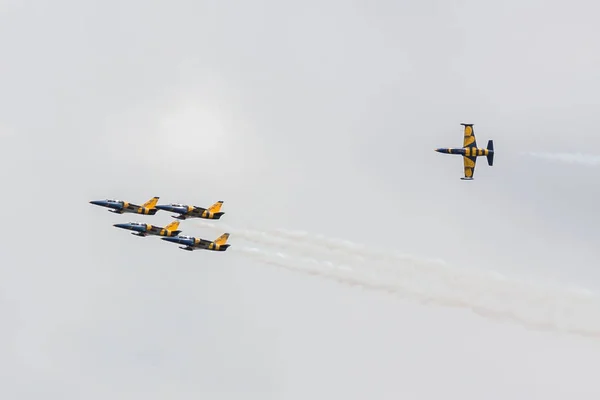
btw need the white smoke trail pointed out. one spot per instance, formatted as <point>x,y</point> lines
<point>305,242</point>
<point>571,158</point>
<point>250,235</point>
<point>342,246</point>
<point>427,281</point>
<point>487,295</point>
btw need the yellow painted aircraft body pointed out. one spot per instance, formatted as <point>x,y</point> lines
<point>191,243</point>
<point>184,211</point>
<point>120,206</point>
<point>140,229</point>
<point>470,152</point>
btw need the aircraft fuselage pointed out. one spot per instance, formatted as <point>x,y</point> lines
<point>191,243</point>
<point>465,151</point>
<point>147,229</point>
<point>120,207</point>
<point>185,211</point>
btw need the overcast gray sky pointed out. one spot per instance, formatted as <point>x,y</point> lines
<point>319,116</point>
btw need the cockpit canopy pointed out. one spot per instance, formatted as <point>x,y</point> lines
<point>178,205</point>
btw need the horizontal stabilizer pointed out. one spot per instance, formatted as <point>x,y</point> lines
<point>218,215</point>
<point>490,156</point>
<point>176,233</point>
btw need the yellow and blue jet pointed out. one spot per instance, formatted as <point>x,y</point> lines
<point>185,211</point>
<point>120,206</point>
<point>143,230</point>
<point>470,152</point>
<point>191,243</point>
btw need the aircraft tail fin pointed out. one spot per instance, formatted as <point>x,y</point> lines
<point>172,226</point>
<point>490,156</point>
<point>215,208</point>
<point>221,240</point>
<point>151,203</point>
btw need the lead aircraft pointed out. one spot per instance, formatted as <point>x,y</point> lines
<point>120,206</point>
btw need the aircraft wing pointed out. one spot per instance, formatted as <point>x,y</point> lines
<point>469,136</point>
<point>469,163</point>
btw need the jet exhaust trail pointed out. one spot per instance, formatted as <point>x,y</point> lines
<point>570,158</point>
<point>489,295</point>
<point>501,300</point>
<point>296,240</point>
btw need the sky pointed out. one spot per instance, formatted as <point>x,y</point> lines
<point>318,118</point>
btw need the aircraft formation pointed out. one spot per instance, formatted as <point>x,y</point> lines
<point>170,232</point>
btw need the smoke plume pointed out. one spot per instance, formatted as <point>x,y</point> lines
<point>485,293</point>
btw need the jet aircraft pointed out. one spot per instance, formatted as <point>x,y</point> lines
<point>143,230</point>
<point>191,243</point>
<point>470,152</point>
<point>185,211</point>
<point>120,207</point>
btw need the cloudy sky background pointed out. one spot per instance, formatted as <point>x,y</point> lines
<point>316,116</point>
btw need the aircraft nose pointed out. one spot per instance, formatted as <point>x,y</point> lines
<point>97,202</point>
<point>171,239</point>
<point>122,226</point>
<point>439,150</point>
<point>162,207</point>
